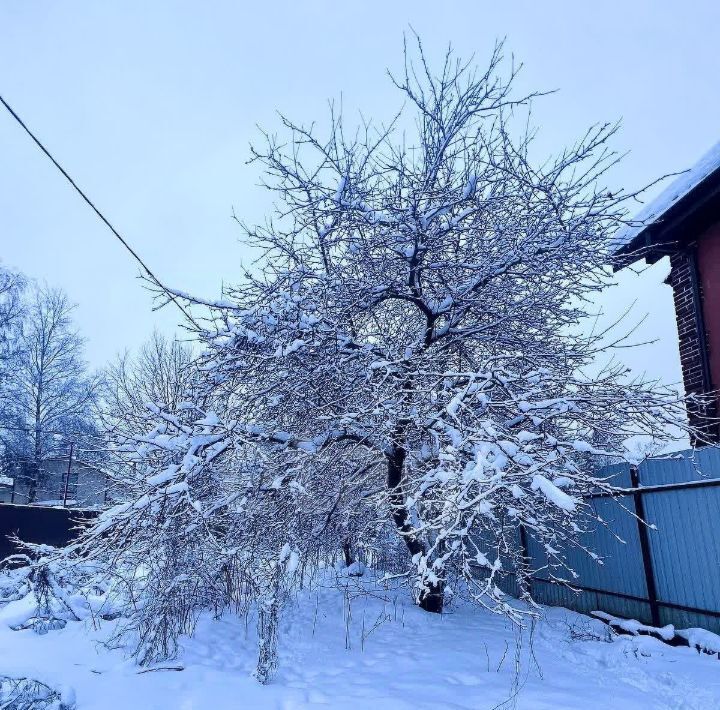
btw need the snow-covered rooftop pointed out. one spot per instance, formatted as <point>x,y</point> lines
<point>679,188</point>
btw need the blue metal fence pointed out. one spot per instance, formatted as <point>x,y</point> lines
<point>667,572</point>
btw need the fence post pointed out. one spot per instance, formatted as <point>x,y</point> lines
<point>525,562</point>
<point>523,542</point>
<point>645,546</point>
<point>67,476</point>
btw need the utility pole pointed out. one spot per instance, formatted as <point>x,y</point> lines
<point>67,476</point>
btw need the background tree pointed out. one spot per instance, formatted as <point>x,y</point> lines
<point>160,374</point>
<point>12,286</point>
<point>52,393</point>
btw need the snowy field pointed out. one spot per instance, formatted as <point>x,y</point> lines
<point>390,655</point>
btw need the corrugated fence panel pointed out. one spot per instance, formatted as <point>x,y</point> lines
<point>682,467</point>
<point>620,569</point>
<point>684,549</point>
<point>616,542</point>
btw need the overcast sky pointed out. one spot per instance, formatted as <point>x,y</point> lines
<point>151,107</point>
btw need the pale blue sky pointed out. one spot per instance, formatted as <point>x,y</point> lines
<point>151,106</point>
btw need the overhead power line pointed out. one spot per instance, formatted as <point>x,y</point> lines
<point>122,240</point>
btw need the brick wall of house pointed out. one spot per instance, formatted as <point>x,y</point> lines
<point>687,291</point>
<point>708,260</point>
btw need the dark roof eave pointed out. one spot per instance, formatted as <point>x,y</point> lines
<point>691,211</point>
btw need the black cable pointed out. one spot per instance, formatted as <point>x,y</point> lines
<point>98,213</point>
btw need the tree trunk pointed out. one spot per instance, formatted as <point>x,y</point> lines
<point>431,599</point>
<point>37,452</point>
<point>347,552</point>
<point>268,625</point>
<point>34,474</point>
<point>35,468</point>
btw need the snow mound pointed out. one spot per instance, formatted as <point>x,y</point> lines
<point>701,639</point>
<point>631,626</point>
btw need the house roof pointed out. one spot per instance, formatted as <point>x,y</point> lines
<point>685,195</point>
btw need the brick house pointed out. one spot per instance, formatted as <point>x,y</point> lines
<point>683,223</point>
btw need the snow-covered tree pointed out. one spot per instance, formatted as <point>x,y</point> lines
<point>12,286</point>
<point>411,356</point>
<point>158,373</point>
<point>50,391</point>
<point>424,301</point>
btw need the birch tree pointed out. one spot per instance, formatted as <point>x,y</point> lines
<point>52,393</point>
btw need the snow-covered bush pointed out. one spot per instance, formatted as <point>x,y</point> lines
<point>202,529</point>
<point>30,694</point>
<point>45,588</point>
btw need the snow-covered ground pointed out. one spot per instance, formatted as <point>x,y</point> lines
<point>404,659</point>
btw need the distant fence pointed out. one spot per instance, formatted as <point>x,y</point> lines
<point>50,526</point>
<point>666,572</point>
